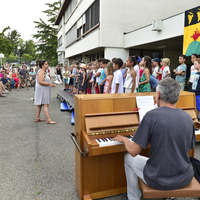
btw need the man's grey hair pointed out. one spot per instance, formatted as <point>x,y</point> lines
<point>169,90</point>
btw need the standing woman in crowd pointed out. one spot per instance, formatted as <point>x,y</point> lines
<point>144,85</point>
<point>166,70</point>
<point>58,74</point>
<point>82,79</point>
<point>131,77</point>
<point>43,92</point>
<point>109,78</point>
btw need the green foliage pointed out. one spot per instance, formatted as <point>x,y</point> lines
<point>47,33</point>
<point>5,45</point>
<point>28,47</point>
<point>26,57</point>
<point>9,46</point>
<point>12,57</point>
<point>14,38</point>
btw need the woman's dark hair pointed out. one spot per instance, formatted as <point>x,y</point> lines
<point>41,63</point>
<point>37,62</point>
<point>147,59</point>
<point>133,59</point>
<point>196,55</point>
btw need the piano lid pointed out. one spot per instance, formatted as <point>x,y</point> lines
<point>111,122</point>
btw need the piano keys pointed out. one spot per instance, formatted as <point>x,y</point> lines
<point>110,142</point>
<point>100,117</point>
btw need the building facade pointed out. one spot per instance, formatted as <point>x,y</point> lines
<point>90,29</point>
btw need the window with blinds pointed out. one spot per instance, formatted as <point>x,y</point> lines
<point>60,42</point>
<point>70,8</point>
<point>71,35</point>
<point>92,15</point>
<point>84,24</point>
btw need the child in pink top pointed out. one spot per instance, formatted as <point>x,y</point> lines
<point>109,74</point>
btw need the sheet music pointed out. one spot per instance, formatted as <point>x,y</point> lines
<point>145,104</point>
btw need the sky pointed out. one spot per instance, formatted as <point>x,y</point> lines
<point>20,14</point>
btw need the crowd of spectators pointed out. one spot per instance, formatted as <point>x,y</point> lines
<point>11,78</point>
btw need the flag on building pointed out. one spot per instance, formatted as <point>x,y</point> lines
<point>191,42</point>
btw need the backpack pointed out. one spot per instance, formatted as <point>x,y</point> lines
<point>196,167</point>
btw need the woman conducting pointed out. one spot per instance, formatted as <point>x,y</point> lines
<point>43,92</point>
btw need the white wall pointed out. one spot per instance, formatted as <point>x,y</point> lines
<point>171,27</point>
<point>89,42</point>
<point>119,16</point>
<point>111,53</point>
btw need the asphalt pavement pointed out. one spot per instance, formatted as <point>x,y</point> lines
<point>37,159</point>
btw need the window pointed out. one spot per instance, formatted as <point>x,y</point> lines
<point>71,36</point>
<point>92,15</point>
<point>60,42</point>
<point>84,24</point>
<point>70,8</point>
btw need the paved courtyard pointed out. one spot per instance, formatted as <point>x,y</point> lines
<point>37,159</point>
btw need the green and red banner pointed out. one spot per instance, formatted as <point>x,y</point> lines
<point>191,42</point>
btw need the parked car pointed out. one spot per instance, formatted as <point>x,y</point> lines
<point>33,63</point>
<point>14,63</point>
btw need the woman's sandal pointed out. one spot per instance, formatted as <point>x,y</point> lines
<point>51,122</point>
<point>39,120</point>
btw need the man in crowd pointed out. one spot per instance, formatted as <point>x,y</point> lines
<point>23,77</point>
<point>5,81</point>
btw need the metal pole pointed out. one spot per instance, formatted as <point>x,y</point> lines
<point>19,56</point>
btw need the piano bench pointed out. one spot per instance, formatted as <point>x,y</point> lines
<point>192,190</point>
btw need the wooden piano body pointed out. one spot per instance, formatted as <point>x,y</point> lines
<point>100,170</point>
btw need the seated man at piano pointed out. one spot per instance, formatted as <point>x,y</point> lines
<point>171,135</point>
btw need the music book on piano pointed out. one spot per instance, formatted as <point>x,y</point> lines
<point>145,104</point>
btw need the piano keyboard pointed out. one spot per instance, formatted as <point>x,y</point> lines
<point>109,142</point>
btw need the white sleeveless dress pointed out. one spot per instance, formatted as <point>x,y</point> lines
<point>42,93</point>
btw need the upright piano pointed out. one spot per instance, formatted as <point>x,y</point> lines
<point>99,161</point>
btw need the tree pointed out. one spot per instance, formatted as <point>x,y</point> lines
<point>47,34</point>
<point>30,48</point>
<point>26,58</point>
<point>12,57</point>
<point>5,45</point>
<point>14,38</point>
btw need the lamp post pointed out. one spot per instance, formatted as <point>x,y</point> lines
<point>19,53</point>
